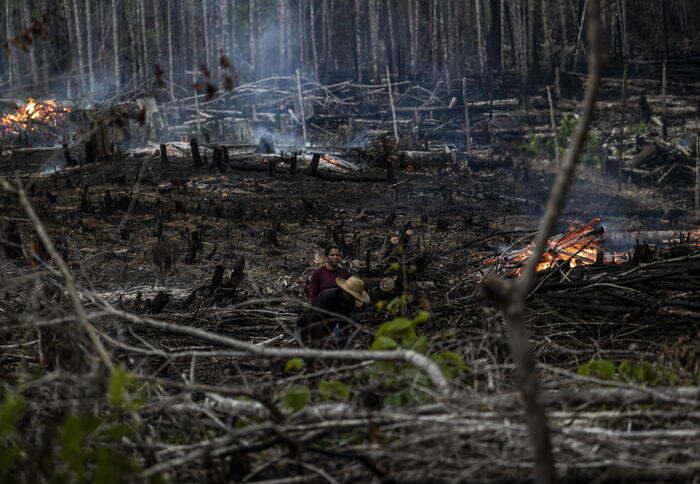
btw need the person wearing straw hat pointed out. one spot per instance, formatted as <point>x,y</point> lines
<point>331,311</point>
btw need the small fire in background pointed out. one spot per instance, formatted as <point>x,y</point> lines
<point>579,247</point>
<point>32,116</point>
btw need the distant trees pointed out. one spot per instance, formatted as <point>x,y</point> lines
<point>83,47</point>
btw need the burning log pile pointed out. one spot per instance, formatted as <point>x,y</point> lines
<point>580,246</point>
<point>34,118</point>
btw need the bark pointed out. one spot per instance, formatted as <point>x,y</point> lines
<point>444,40</point>
<point>115,45</point>
<point>434,39</point>
<point>282,38</point>
<point>359,59</point>
<point>413,19</point>
<point>374,38</point>
<point>11,54</point>
<point>171,85</point>
<point>392,57</point>
<point>26,20</point>
<point>158,26</point>
<point>206,29</point>
<point>479,21</point>
<point>314,48</point>
<point>625,36</point>
<point>79,41</point>
<point>302,34</point>
<point>88,32</point>
<point>144,41</point>
<point>493,39</point>
<point>253,36</point>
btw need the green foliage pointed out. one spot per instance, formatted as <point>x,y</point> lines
<point>400,332</point>
<point>451,363</point>
<point>395,306</point>
<point>640,373</point>
<point>86,449</point>
<point>121,391</point>
<point>295,364</point>
<point>10,452</point>
<point>543,145</point>
<point>332,389</point>
<point>603,369</point>
<point>295,398</point>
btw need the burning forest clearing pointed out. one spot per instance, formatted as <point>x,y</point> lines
<point>157,254</point>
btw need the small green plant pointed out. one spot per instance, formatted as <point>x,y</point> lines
<point>87,444</point>
<point>295,398</point>
<point>639,373</point>
<point>10,451</point>
<point>333,390</point>
<point>295,364</point>
<point>543,145</point>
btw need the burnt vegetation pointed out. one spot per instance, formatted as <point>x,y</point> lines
<point>516,182</point>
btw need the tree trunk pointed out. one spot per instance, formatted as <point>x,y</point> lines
<point>434,41</point>
<point>359,59</point>
<point>171,85</point>
<point>26,21</point>
<point>392,57</point>
<point>625,37</point>
<point>88,32</point>
<point>493,39</point>
<point>158,26</point>
<point>144,41</point>
<point>374,38</point>
<point>314,47</point>
<point>413,17</point>
<point>11,54</point>
<point>547,61</point>
<point>282,39</point>
<point>253,37</point>
<point>115,46</point>
<point>79,42</point>
<point>480,37</point>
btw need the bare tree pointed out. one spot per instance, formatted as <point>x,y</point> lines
<point>88,31</point>
<point>79,41</point>
<point>115,45</point>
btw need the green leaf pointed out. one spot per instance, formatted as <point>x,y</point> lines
<point>9,413</point>
<point>422,317</point>
<point>72,435</point>
<point>295,364</point>
<point>118,389</point>
<point>295,398</point>
<point>603,369</point>
<point>382,343</point>
<point>394,327</point>
<point>332,389</point>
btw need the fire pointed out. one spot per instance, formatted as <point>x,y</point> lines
<point>32,116</point>
<point>579,247</point>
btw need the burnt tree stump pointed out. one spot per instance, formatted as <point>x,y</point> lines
<point>313,166</point>
<point>196,157</point>
<point>293,165</point>
<point>164,156</point>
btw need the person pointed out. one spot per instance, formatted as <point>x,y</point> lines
<point>342,300</point>
<point>324,277</point>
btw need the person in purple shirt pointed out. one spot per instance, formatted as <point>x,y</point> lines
<point>324,277</point>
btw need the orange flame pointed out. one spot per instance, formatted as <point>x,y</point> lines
<point>32,115</point>
<point>579,247</point>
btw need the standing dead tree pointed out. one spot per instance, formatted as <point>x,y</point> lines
<point>510,296</point>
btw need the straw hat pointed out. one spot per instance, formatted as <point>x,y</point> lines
<point>355,287</point>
